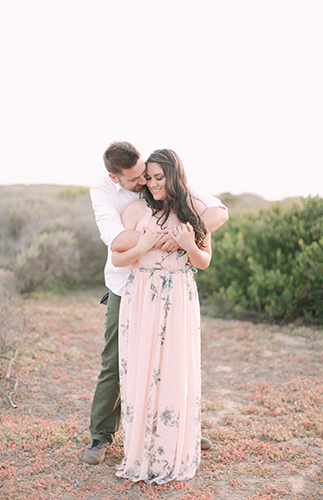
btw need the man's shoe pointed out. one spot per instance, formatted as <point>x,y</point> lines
<point>95,452</point>
<point>205,444</point>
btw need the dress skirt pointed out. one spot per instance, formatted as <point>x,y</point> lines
<point>159,366</point>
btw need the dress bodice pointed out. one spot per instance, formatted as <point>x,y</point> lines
<point>158,259</point>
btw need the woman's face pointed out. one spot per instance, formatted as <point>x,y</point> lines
<point>156,181</point>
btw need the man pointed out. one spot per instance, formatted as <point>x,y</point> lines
<point>126,178</point>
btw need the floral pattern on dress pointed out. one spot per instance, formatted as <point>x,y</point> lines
<point>159,352</point>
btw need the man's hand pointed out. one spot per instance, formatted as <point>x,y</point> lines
<point>147,240</point>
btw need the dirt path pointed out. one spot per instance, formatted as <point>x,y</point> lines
<point>262,409</point>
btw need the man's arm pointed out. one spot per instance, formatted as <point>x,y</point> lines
<point>107,216</point>
<point>129,238</point>
<point>216,212</point>
<point>214,217</point>
<point>145,243</point>
<point>125,240</point>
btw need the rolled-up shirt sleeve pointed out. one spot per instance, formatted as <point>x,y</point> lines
<point>107,216</point>
<point>207,199</point>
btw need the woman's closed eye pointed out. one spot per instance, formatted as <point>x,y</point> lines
<point>159,178</point>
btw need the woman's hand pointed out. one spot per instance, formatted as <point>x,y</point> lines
<point>184,236</point>
<point>165,242</point>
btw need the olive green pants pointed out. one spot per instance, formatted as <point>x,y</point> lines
<point>105,411</point>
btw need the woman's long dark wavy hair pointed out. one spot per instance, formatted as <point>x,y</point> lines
<point>178,196</point>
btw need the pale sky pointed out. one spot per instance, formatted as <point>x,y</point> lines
<point>233,86</point>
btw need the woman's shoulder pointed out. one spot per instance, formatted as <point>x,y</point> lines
<point>199,206</point>
<point>136,206</point>
<point>134,212</point>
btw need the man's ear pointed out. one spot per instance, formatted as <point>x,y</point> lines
<point>113,178</point>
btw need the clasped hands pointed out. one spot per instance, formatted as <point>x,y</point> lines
<point>168,240</point>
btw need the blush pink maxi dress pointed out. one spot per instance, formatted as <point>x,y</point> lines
<point>159,362</point>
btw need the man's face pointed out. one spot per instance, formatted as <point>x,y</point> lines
<point>132,179</point>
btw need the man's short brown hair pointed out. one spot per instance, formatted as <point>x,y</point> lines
<point>120,155</point>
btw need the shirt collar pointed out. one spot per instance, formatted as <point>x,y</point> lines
<point>118,187</point>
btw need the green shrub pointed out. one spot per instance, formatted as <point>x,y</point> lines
<point>268,265</point>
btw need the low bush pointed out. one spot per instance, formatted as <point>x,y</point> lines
<point>51,257</point>
<point>268,265</point>
<point>48,233</point>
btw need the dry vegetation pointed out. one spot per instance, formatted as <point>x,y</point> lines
<point>262,408</point>
<point>48,233</point>
<point>262,385</point>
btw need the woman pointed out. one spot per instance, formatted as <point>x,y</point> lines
<point>159,330</point>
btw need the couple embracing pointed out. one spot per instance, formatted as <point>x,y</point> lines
<point>157,229</point>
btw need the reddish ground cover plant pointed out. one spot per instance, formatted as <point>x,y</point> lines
<point>262,409</point>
